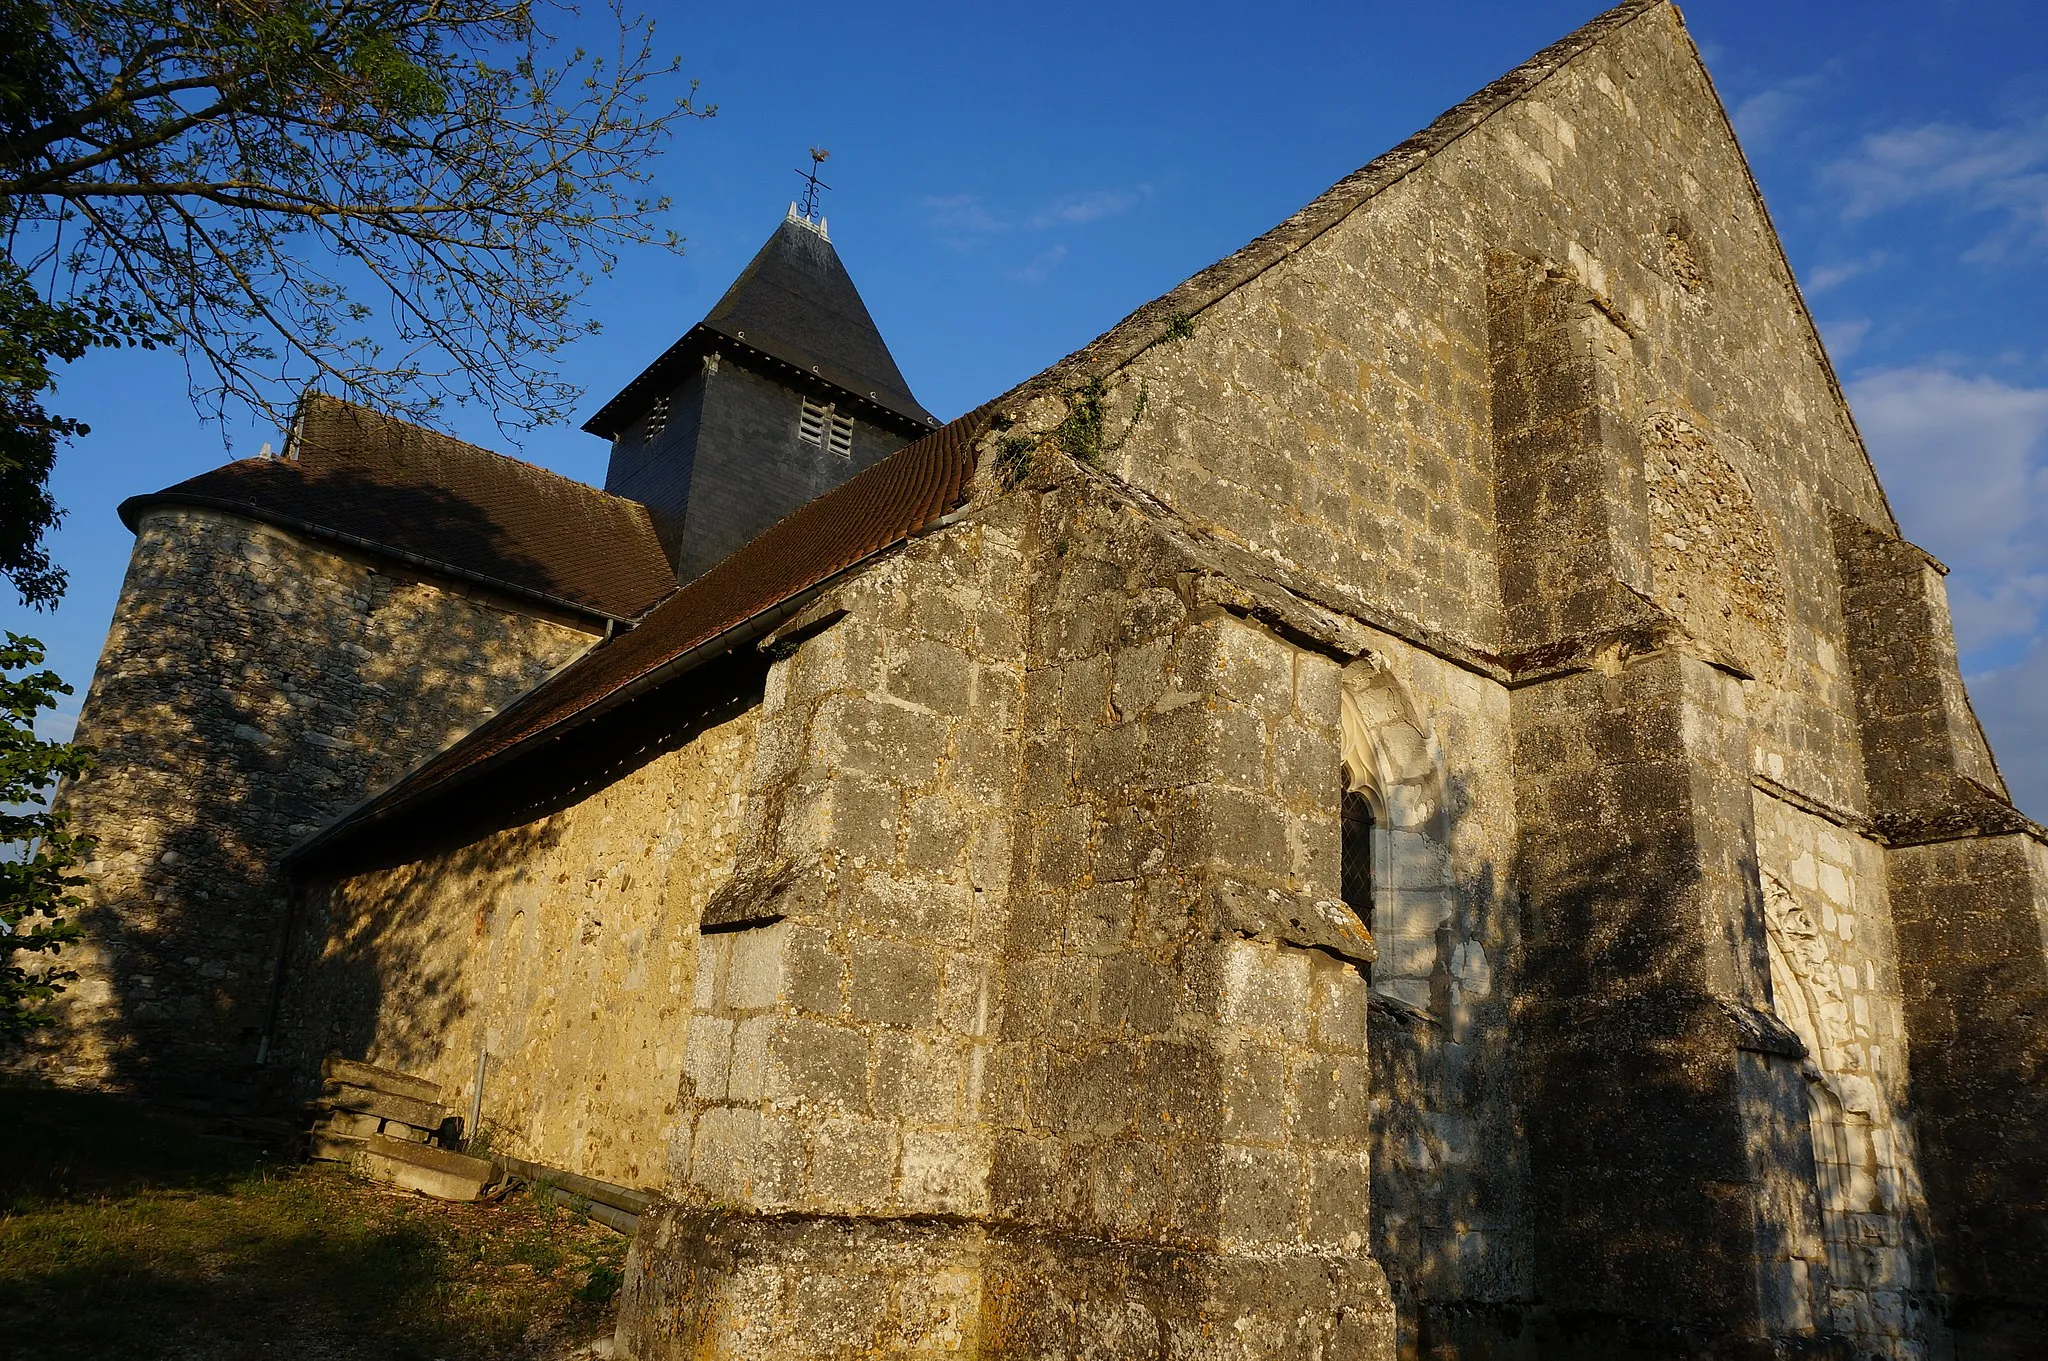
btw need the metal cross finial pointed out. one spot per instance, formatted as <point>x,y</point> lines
<point>812,184</point>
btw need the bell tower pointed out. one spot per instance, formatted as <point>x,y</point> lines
<point>780,394</point>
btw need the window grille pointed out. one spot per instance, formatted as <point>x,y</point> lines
<point>657,417</point>
<point>839,439</point>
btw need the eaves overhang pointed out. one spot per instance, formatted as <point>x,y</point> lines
<point>666,373</point>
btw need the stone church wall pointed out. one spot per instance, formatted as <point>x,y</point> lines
<point>564,950</point>
<point>1835,981</point>
<point>1344,416</point>
<point>1019,1046</point>
<point>253,685</point>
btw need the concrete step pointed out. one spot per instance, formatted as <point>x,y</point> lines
<point>333,1148</point>
<point>431,1171</point>
<point>361,1125</point>
<point>408,1110</point>
<point>337,1069</point>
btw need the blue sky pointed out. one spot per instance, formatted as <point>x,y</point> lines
<point>1012,180</point>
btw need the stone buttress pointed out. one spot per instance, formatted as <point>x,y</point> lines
<point>1038,1028</point>
<point>1969,894</point>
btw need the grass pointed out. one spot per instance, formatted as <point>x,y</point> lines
<point>125,1234</point>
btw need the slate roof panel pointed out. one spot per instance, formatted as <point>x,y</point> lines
<point>794,302</point>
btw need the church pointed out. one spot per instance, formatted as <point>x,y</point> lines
<point>1408,800</point>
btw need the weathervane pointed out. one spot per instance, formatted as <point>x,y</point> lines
<point>812,184</point>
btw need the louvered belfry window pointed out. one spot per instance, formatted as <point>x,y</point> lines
<point>657,418</point>
<point>818,423</point>
<point>811,423</point>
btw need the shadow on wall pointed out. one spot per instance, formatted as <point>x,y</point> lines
<point>253,687</point>
<point>1586,1131</point>
<point>379,966</point>
<point>1666,1123</point>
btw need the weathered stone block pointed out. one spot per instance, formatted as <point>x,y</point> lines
<point>932,675</point>
<point>892,982</point>
<point>1259,1195</point>
<point>819,1064</point>
<point>944,1172</point>
<point>852,1162</point>
<point>1266,991</point>
<point>754,975</point>
<point>918,1081</point>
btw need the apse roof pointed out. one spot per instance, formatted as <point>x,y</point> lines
<point>796,305</point>
<point>367,481</point>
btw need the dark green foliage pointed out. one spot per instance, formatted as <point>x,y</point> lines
<point>33,335</point>
<point>1080,435</point>
<point>603,1283</point>
<point>38,856</point>
<point>1013,459</point>
<point>1180,326</point>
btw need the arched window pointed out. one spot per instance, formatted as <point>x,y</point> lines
<point>1357,854</point>
<point>1395,865</point>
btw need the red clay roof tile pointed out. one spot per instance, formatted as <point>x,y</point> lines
<point>376,483</point>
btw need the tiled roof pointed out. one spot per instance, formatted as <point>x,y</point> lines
<point>796,304</point>
<point>874,510</point>
<point>368,481</point>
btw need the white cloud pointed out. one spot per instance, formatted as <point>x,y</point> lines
<point>2012,701</point>
<point>962,214</point>
<point>1089,207</point>
<point>1965,461</point>
<point>1844,336</point>
<point>57,725</point>
<point>1992,170</point>
<point>1835,275</point>
<point>1761,116</point>
<point>1035,270</point>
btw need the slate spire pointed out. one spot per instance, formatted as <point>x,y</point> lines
<point>794,303</point>
<point>783,392</point>
<point>797,303</point>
